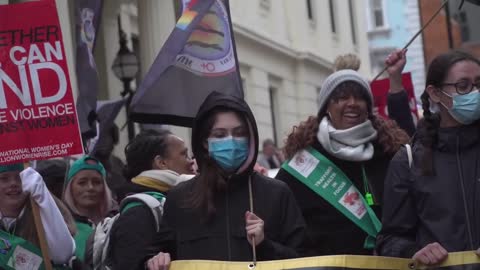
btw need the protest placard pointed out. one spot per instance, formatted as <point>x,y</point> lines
<point>38,119</point>
<point>380,90</point>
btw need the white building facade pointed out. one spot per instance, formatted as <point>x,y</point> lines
<point>286,49</point>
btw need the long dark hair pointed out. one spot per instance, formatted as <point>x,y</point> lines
<point>390,135</point>
<point>212,180</point>
<point>141,151</point>
<point>428,130</point>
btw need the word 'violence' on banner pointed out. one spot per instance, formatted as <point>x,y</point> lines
<point>38,119</point>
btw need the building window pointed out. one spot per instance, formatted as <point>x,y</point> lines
<point>244,88</point>
<point>177,5</point>
<point>378,19</point>
<point>331,5</point>
<point>463,21</point>
<point>245,80</point>
<point>351,10</point>
<point>318,89</point>
<point>273,109</point>
<point>265,5</point>
<point>310,10</point>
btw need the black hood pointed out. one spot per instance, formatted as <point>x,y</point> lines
<point>219,100</point>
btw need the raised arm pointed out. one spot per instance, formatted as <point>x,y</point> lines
<point>398,103</point>
<point>59,240</point>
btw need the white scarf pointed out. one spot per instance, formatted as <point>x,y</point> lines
<point>353,144</point>
<point>168,177</point>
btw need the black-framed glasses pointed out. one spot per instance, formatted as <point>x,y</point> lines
<point>464,87</point>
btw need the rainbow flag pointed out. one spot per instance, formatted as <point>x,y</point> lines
<point>187,17</point>
<point>198,58</point>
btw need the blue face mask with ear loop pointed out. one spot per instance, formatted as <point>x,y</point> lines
<point>466,108</point>
<point>229,152</point>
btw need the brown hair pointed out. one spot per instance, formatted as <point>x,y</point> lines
<point>428,130</point>
<point>211,181</point>
<point>390,135</point>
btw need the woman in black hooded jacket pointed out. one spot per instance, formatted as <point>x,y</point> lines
<point>210,217</point>
<point>431,204</point>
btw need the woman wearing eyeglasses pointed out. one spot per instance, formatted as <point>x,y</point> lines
<point>431,205</point>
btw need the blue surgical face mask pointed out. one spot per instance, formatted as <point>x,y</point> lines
<point>229,152</point>
<point>466,108</point>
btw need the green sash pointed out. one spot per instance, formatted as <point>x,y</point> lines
<point>83,232</point>
<point>17,253</point>
<point>323,177</point>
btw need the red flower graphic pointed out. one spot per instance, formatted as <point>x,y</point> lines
<point>351,197</point>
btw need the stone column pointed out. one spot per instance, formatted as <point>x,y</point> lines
<point>261,107</point>
<point>67,23</point>
<point>156,20</point>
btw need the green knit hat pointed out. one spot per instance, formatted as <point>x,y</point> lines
<point>11,167</point>
<point>84,164</point>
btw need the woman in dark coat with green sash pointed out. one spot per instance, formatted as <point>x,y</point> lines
<point>337,164</point>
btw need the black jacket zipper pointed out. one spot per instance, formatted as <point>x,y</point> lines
<point>462,185</point>
<point>227,215</point>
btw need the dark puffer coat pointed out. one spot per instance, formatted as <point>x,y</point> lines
<point>442,208</point>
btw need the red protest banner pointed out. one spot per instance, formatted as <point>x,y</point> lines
<point>38,119</point>
<point>380,93</point>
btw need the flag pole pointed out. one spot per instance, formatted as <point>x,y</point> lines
<point>41,235</point>
<point>253,265</point>
<point>415,36</point>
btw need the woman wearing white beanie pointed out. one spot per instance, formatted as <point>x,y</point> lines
<point>336,166</point>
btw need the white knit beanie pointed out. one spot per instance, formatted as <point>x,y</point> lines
<point>334,80</point>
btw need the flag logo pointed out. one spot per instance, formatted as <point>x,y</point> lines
<point>209,50</point>
<point>352,202</point>
<point>193,62</point>
<point>88,32</point>
<point>187,17</point>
